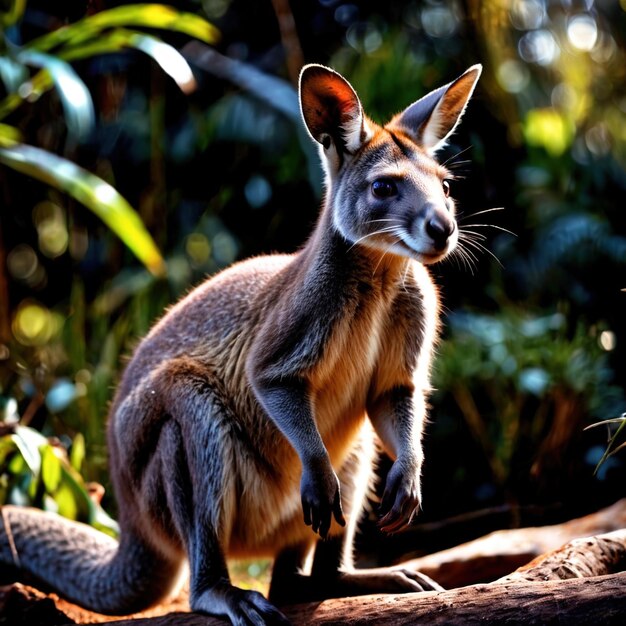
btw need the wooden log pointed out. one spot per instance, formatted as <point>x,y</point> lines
<point>498,553</point>
<point>567,585</point>
<point>581,558</point>
<point>20,604</point>
<point>580,601</point>
<point>572,585</point>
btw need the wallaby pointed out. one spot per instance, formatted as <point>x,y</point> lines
<point>256,399</point>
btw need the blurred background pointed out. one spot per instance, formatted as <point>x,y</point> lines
<point>217,167</point>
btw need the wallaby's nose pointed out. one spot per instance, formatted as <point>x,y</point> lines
<point>439,229</point>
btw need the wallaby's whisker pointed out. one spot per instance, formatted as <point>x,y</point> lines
<point>380,231</point>
<point>465,217</point>
<point>504,230</point>
<point>469,259</point>
<point>454,156</point>
<point>479,246</point>
<point>470,234</point>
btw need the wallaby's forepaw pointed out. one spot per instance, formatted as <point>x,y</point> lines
<point>401,499</point>
<point>242,607</point>
<point>321,499</point>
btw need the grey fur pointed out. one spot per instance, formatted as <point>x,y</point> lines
<point>247,403</point>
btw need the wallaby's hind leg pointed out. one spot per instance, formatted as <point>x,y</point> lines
<point>202,516</point>
<point>288,584</point>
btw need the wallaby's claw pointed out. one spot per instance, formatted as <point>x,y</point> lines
<point>243,607</point>
<point>401,499</point>
<point>321,500</point>
<point>425,583</point>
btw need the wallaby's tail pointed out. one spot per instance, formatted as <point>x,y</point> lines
<point>84,565</point>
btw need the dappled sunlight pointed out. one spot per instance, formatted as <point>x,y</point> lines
<point>571,53</point>
<point>548,129</point>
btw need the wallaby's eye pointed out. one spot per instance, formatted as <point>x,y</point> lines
<point>384,188</point>
<point>446,188</point>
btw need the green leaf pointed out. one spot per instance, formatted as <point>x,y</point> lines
<point>75,495</point>
<point>31,90</point>
<point>77,452</point>
<point>68,504</point>
<point>93,192</point>
<point>136,15</point>
<point>9,135</point>
<point>50,469</point>
<point>7,446</point>
<point>14,14</point>
<point>29,441</point>
<point>101,520</point>
<point>75,97</point>
<point>17,464</point>
<point>111,43</point>
<point>73,500</point>
<point>12,73</point>
<point>169,59</point>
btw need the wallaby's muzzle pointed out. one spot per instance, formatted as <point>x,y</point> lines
<point>439,227</point>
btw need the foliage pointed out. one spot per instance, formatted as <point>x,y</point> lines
<point>35,471</point>
<point>47,340</point>
<point>51,53</point>
<point>536,384</point>
<point>227,172</point>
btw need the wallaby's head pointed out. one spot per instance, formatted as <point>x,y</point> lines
<point>385,189</point>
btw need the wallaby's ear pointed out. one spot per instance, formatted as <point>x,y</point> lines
<point>433,118</point>
<point>331,109</point>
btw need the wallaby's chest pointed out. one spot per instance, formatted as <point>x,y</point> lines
<point>342,377</point>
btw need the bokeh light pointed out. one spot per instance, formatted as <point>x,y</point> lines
<point>539,46</point>
<point>22,262</point>
<point>598,139</point>
<point>51,224</point>
<point>582,32</point>
<point>547,128</point>
<point>607,340</point>
<point>258,191</point>
<point>225,248</point>
<point>513,76</point>
<point>440,20</point>
<point>364,37</point>
<point>34,324</point>
<point>527,14</point>
<point>198,248</point>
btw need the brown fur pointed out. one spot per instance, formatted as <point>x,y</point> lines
<point>256,395</point>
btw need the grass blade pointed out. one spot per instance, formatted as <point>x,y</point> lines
<point>169,59</point>
<point>137,15</point>
<point>75,97</point>
<point>33,88</point>
<point>14,14</point>
<point>96,194</point>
